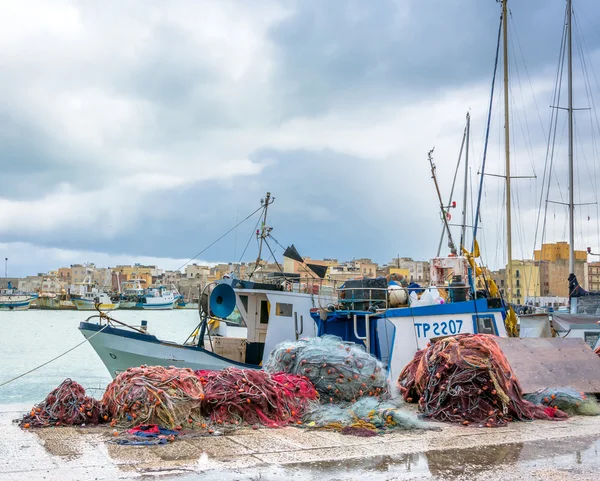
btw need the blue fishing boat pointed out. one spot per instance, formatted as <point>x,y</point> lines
<point>12,299</point>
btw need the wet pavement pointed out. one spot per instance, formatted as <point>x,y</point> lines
<point>566,450</point>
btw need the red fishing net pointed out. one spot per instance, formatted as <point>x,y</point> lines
<point>68,405</point>
<point>467,379</point>
<point>235,396</point>
<point>167,396</point>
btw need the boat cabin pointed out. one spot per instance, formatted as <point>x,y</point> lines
<point>265,314</point>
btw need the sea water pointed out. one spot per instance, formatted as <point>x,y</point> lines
<point>33,337</point>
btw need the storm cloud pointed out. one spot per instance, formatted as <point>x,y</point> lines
<point>146,129</point>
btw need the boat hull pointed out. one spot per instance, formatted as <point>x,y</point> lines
<point>120,349</point>
<point>54,303</point>
<point>127,305</point>
<point>89,305</point>
<point>163,306</point>
<point>18,302</point>
<point>15,305</point>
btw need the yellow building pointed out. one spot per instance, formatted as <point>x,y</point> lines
<point>557,251</point>
<point>137,271</point>
<point>525,281</point>
<point>400,272</point>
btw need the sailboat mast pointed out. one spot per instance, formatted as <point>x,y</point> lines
<point>570,110</point>
<point>509,286</point>
<point>464,212</point>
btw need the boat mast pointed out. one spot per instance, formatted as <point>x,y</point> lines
<point>442,208</point>
<point>264,230</point>
<point>464,212</point>
<point>509,293</point>
<point>570,110</point>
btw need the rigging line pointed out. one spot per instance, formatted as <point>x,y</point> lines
<point>590,99</point>
<point>515,111</point>
<point>553,130</point>
<point>585,15</point>
<point>273,254</point>
<point>54,358</point>
<point>528,77</point>
<point>593,104</point>
<point>300,264</point>
<point>239,263</point>
<point>581,153</point>
<point>237,218</point>
<point>218,239</point>
<point>591,64</point>
<point>462,145</point>
<point>487,133</point>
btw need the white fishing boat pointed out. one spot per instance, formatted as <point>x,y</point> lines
<point>241,322</point>
<point>260,317</point>
<point>393,325</point>
<point>93,301</point>
<point>158,298</point>
<point>12,299</point>
<point>132,292</point>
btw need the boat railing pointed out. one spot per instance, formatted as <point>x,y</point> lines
<point>362,298</point>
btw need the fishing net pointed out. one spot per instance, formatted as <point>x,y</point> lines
<point>235,396</point>
<point>167,396</point>
<point>367,413</point>
<point>467,379</point>
<point>566,399</point>
<point>340,371</point>
<point>65,405</point>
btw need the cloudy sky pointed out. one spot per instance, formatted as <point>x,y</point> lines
<point>143,130</point>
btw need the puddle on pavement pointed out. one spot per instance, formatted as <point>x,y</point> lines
<point>441,464</point>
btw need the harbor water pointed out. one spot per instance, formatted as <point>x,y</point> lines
<point>31,338</point>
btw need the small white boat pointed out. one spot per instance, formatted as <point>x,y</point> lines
<point>158,298</point>
<point>264,316</point>
<point>132,292</point>
<point>92,301</point>
<point>13,300</point>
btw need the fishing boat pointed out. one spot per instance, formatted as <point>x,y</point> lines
<point>12,299</point>
<point>158,298</point>
<point>132,292</point>
<point>49,300</point>
<point>95,300</point>
<point>393,325</point>
<point>241,322</point>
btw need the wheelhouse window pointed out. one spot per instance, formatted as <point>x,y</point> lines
<point>282,309</point>
<point>485,325</point>
<point>244,300</point>
<point>264,312</point>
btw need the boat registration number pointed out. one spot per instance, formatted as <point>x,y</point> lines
<point>444,328</point>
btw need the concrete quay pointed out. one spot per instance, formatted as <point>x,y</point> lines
<point>543,450</point>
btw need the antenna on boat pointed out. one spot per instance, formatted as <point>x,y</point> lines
<point>445,213</point>
<point>6,267</point>
<point>264,230</point>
